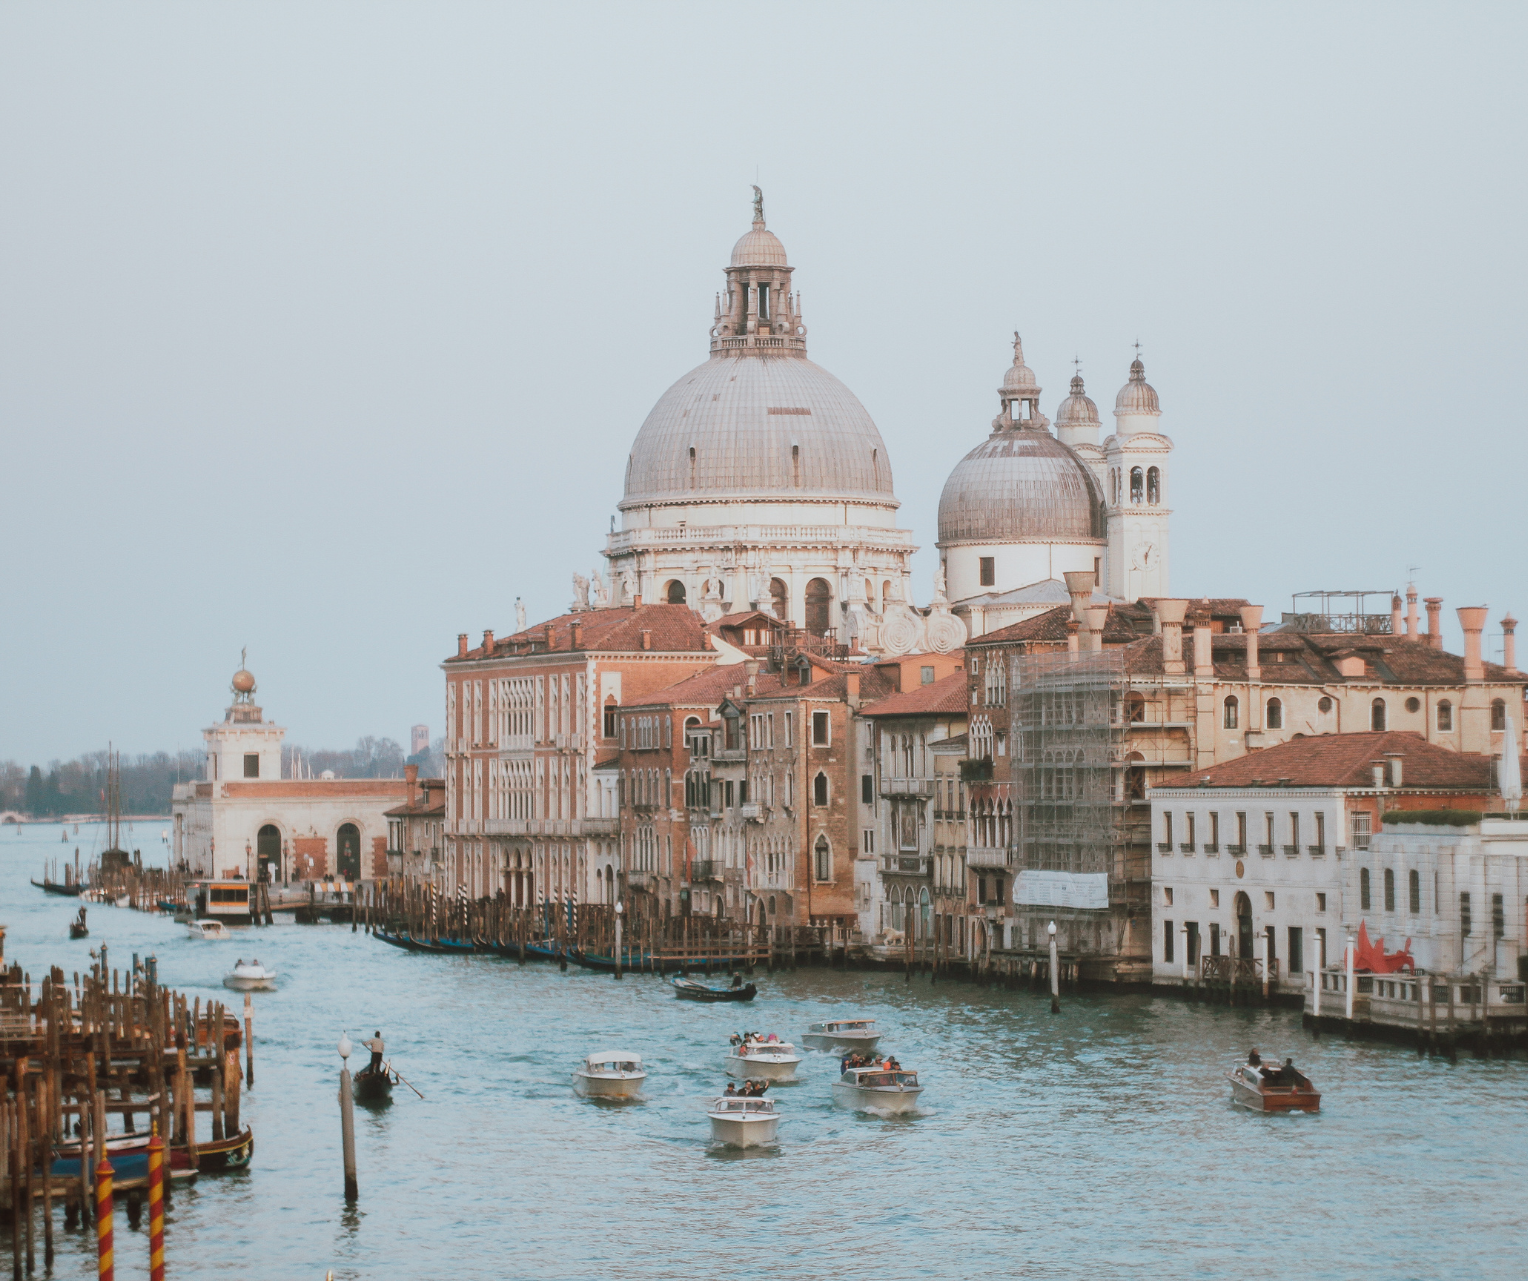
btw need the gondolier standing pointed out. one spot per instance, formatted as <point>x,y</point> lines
<point>375,1045</point>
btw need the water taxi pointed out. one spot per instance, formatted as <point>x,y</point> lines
<point>250,976</point>
<point>743,1123</point>
<point>611,1074</point>
<point>842,1034</point>
<point>883,1089</point>
<point>1270,1089</point>
<point>208,929</point>
<point>757,1060</point>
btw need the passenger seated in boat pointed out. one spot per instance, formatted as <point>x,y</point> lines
<point>735,1039</point>
<point>1254,1059</point>
<point>737,979</point>
<point>731,1091</point>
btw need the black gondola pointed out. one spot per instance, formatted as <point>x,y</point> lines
<point>374,1087</point>
<point>56,887</point>
<point>690,990</point>
<point>77,928</point>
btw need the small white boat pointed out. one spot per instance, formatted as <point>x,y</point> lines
<point>250,976</point>
<point>610,1074</point>
<point>842,1034</point>
<point>208,929</point>
<point>743,1123</point>
<point>885,1090</point>
<point>756,1060</point>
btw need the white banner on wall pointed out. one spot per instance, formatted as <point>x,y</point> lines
<point>1062,889</point>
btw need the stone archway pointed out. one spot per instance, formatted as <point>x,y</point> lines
<point>675,594</point>
<point>819,601</point>
<point>268,853</point>
<point>347,845</point>
<point>1244,947</point>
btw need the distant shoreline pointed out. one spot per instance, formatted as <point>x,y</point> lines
<point>13,820</point>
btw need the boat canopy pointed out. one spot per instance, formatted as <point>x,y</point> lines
<point>613,1056</point>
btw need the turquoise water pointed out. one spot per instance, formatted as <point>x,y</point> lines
<point>1099,1143</point>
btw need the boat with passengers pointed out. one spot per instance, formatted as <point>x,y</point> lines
<point>610,1074</point>
<point>842,1034</point>
<point>1260,1088</point>
<point>743,1122</point>
<point>879,1088</point>
<point>753,1058</point>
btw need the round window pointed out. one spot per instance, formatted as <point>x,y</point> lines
<point>1324,705</point>
<point>1412,705</point>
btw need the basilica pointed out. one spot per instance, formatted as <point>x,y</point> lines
<point>760,482</point>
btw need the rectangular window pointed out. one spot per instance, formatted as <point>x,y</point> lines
<point>1214,938</point>
<point>819,729</point>
<point>1214,829</point>
<point>1296,949</point>
<point>1214,898</point>
<point>1464,913</point>
<point>926,675</point>
<point>1294,832</point>
<point>867,789</point>
<point>1361,832</point>
<point>1320,902</point>
<point>1320,830</point>
<point>251,764</point>
<point>989,574</point>
<point>790,720</point>
<point>1167,941</point>
<point>1167,831</point>
<point>1498,917</point>
<point>1268,899</point>
<point>1273,941</point>
<point>1241,833</point>
<point>1167,895</point>
<point>1191,941</point>
<point>1188,831</point>
<point>1268,831</point>
<point>867,840</point>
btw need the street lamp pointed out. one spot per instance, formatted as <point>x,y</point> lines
<point>347,1119</point>
<point>344,1046</point>
<point>619,911</point>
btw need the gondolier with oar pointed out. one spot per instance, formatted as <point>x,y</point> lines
<point>376,1046</point>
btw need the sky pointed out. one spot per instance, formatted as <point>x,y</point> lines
<point>325,329</point>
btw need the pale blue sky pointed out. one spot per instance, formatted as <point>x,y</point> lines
<point>325,329</point>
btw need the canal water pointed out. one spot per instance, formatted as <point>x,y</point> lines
<point>1099,1143</point>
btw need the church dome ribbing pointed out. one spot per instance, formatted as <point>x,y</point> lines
<point>1137,396</point>
<point>1077,409</point>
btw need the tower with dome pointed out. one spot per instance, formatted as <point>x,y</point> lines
<point>759,480</point>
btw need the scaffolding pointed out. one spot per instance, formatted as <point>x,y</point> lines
<point>1069,765</point>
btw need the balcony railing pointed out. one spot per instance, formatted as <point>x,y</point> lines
<point>987,856</point>
<point>1293,851</point>
<point>907,864</point>
<point>907,787</point>
<point>1316,851</point>
<point>706,869</point>
<point>1211,847</point>
<point>1186,847</point>
<point>1164,847</point>
<point>1265,850</point>
<point>1236,851</point>
<point>753,810</point>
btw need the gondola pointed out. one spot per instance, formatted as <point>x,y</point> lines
<point>690,990</point>
<point>77,928</point>
<point>374,1087</point>
<point>218,1155</point>
<point>71,890</point>
<point>452,947</point>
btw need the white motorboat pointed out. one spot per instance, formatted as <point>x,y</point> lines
<point>842,1034</point>
<point>877,1088</point>
<point>744,1123</point>
<point>610,1074</point>
<point>208,929</point>
<point>250,976</point>
<point>756,1060</point>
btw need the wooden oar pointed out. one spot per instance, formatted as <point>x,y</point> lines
<point>389,1067</point>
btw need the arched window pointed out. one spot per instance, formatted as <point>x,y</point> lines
<point>1275,714</point>
<point>610,706</point>
<point>1232,716</point>
<point>1153,486</point>
<point>1414,892</point>
<point>820,789</point>
<point>1363,889</point>
<point>1389,889</point>
<point>819,599</point>
<point>1498,714</point>
<point>779,599</point>
<point>1445,715</point>
<point>1377,714</point>
<point>675,593</point>
<point>1135,708</point>
<point>692,466</point>
<point>822,858</point>
<point>1137,484</point>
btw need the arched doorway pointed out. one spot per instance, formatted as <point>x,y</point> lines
<point>675,594</point>
<point>925,916</point>
<point>268,852</point>
<point>819,597</point>
<point>1244,948</point>
<point>348,848</point>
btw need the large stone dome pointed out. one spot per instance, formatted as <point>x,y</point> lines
<point>1020,484</point>
<point>758,426</point>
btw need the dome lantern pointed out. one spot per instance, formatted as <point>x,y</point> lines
<point>1020,391</point>
<point>1136,407</point>
<point>1077,420</point>
<point>758,311</point>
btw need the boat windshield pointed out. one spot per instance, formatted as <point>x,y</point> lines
<point>852,1025</point>
<point>745,1105</point>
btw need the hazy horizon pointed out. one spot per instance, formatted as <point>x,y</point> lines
<point>325,329</point>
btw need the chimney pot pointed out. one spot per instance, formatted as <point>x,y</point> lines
<point>1252,621</point>
<point>1204,663</point>
<point>1472,618</point>
<point>1079,586</point>
<point>1434,631</point>
<point>851,687</point>
<point>1509,643</point>
<point>1097,616</point>
<point>647,638</point>
<point>461,644</point>
<point>488,642</point>
<point>410,777</point>
<point>1395,616</point>
<point>1378,770</point>
<point>1411,613</point>
<point>636,600</point>
<point>1071,636</point>
<point>1170,614</point>
<point>577,630</point>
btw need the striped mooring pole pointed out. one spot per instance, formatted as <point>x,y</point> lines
<point>156,1208</point>
<point>103,1221</point>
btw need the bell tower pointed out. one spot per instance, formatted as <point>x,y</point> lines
<point>1135,491</point>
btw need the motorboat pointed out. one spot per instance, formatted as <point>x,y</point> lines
<point>878,1088</point>
<point>689,990</point>
<point>842,1034</point>
<point>756,1059</point>
<point>1273,1089</point>
<point>208,929</point>
<point>250,976</point>
<point>610,1074</point>
<point>743,1123</point>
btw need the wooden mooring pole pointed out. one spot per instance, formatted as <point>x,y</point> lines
<point>1055,973</point>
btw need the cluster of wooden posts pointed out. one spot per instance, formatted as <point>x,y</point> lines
<point>105,1044</point>
<point>144,888</point>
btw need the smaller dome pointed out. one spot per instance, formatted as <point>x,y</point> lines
<point>1020,377</point>
<point>243,682</point>
<point>759,248</point>
<point>1077,408</point>
<point>1137,396</point>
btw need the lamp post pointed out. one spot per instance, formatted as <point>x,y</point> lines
<point>347,1119</point>
<point>618,914</point>
<point>1055,971</point>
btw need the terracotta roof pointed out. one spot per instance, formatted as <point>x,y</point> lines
<point>743,617</point>
<point>1347,760</point>
<point>1120,627</point>
<point>707,688</point>
<point>673,628</point>
<point>946,697</point>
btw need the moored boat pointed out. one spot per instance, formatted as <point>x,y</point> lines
<point>1267,1089</point>
<point>743,1123</point>
<point>690,990</point>
<point>128,1156</point>
<point>250,976</point>
<point>217,1155</point>
<point>878,1088</point>
<point>842,1034</point>
<point>55,887</point>
<point>763,1060</point>
<point>610,1074</point>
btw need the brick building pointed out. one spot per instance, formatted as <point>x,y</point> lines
<point>416,830</point>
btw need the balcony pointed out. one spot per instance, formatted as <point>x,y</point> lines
<point>1236,851</point>
<point>1186,847</point>
<point>706,869</point>
<point>907,787</point>
<point>1316,851</point>
<point>1164,847</point>
<point>907,864</point>
<point>1292,851</point>
<point>1265,850</point>
<point>753,811</point>
<point>640,880</point>
<point>1211,847</point>
<point>987,856</point>
<point>730,755</point>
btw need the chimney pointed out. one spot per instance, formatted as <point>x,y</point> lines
<point>1169,614</point>
<point>1434,631</point>
<point>1252,620</point>
<point>1071,636</point>
<point>1097,616</point>
<point>636,600</point>
<point>851,689</point>
<point>751,666</point>
<point>1394,760</point>
<point>1378,769</point>
<point>488,642</point>
<point>551,637</point>
<point>647,638</point>
<point>1395,616</point>
<point>1411,611</point>
<point>577,631</point>
<point>1509,643</point>
<point>411,779</point>
<point>1204,664</point>
<point>1156,620</point>
<point>1079,586</point>
<point>1473,619</point>
<point>461,644</point>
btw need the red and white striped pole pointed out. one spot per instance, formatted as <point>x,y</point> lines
<point>103,1221</point>
<point>156,1208</point>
